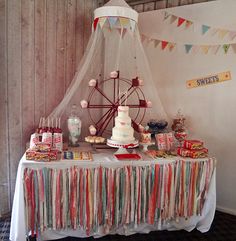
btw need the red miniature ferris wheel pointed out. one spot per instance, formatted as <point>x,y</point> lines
<point>105,97</point>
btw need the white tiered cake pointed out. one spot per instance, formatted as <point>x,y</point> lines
<point>123,131</point>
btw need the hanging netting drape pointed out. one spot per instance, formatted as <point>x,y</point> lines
<point>114,45</point>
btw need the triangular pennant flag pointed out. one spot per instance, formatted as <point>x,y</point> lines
<point>180,21</point>
<point>188,23</point>
<point>195,49</point>
<point>172,19</point>
<point>222,33</point>
<point>205,48</point>
<point>124,22</point>
<point>163,44</point>
<point>166,15</point>
<point>95,22</point>
<point>132,25</point>
<point>205,28</point>
<point>122,31</point>
<point>171,46</point>
<point>156,42</point>
<point>102,21</point>
<point>232,35</point>
<point>215,48</point>
<point>188,47</point>
<point>226,48</point>
<point>234,47</point>
<point>112,21</point>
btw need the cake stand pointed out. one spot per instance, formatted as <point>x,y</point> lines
<point>122,148</point>
<point>146,145</point>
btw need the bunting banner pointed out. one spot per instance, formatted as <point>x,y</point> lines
<point>208,80</point>
<point>190,48</point>
<point>98,200</point>
<point>114,22</point>
<point>222,33</point>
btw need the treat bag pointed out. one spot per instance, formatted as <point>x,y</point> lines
<point>47,138</point>
<point>57,141</point>
<point>34,138</point>
<point>161,141</point>
<point>170,145</point>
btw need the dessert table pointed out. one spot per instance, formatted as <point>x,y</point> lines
<point>107,196</point>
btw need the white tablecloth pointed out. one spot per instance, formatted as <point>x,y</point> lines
<point>18,225</point>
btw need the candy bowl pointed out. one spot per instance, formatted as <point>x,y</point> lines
<point>152,124</point>
<point>162,124</point>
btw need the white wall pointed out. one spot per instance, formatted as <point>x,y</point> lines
<point>210,110</point>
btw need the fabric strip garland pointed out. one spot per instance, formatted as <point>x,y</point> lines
<point>100,200</point>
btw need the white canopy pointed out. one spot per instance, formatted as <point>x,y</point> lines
<point>118,8</point>
<point>114,45</point>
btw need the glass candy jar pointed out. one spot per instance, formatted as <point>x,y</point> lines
<point>74,127</point>
<point>179,128</point>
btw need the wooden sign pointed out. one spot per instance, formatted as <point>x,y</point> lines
<point>208,80</point>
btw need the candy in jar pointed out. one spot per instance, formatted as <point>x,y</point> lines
<point>74,127</point>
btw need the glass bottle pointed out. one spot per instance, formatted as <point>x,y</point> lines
<point>74,127</point>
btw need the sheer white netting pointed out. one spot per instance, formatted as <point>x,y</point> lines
<point>114,45</point>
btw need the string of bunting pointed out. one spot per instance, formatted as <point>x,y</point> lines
<point>205,29</point>
<point>101,200</point>
<point>120,23</point>
<point>189,48</point>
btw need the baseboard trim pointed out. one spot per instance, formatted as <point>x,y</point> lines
<point>226,210</point>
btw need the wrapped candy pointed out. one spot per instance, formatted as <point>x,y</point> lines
<point>30,154</point>
<point>92,82</point>
<point>193,144</point>
<point>192,153</point>
<point>114,74</point>
<point>84,104</point>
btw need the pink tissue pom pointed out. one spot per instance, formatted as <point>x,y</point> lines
<point>84,104</point>
<point>92,130</point>
<point>140,82</point>
<point>114,74</point>
<point>149,103</point>
<point>92,82</point>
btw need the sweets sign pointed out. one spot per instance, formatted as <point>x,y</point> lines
<point>208,80</point>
